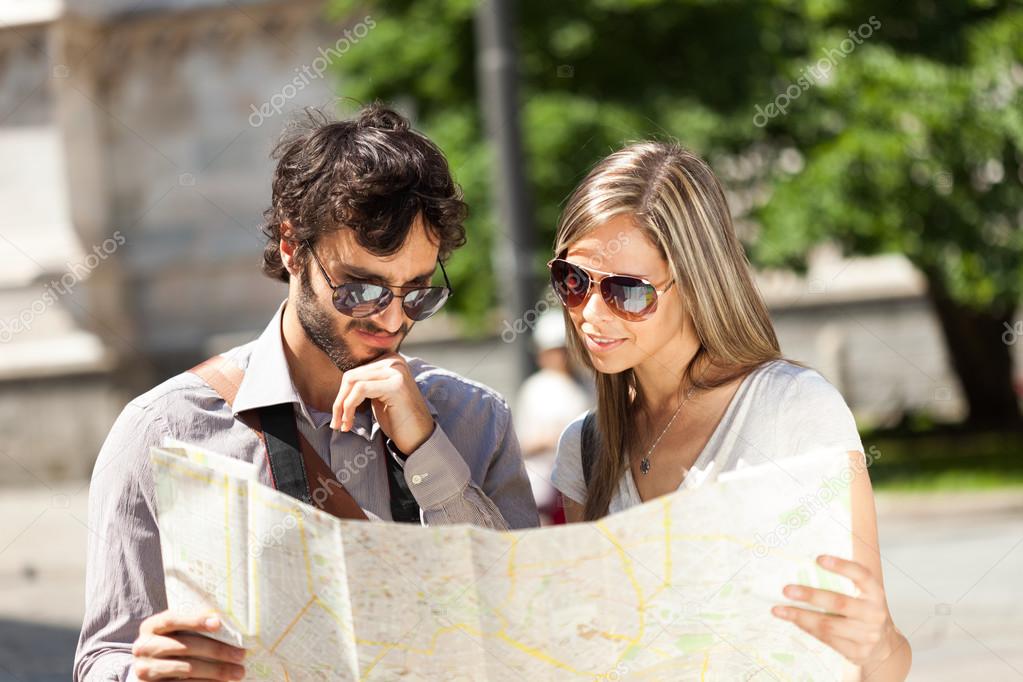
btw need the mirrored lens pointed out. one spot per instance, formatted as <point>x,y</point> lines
<point>420,304</point>
<point>359,299</point>
<point>631,298</point>
<point>570,283</point>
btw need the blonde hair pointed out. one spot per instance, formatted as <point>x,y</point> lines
<point>678,203</point>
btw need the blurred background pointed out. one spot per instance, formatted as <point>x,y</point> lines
<point>872,152</point>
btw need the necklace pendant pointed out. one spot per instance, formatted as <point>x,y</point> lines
<point>644,466</point>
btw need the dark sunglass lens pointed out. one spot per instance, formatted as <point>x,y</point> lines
<point>631,298</point>
<point>570,283</point>
<point>357,299</point>
<point>422,303</point>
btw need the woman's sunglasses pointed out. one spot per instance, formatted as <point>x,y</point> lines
<point>630,298</point>
<point>362,299</point>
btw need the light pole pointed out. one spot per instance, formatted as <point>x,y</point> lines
<point>498,85</point>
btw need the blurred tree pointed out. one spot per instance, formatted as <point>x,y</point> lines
<point>914,145</point>
<point>911,142</point>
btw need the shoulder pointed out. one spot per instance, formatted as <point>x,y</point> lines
<point>781,385</point>
<point>455,395</point>
<point>571,439</point>
<point>794,386</point>
<point>173,406</point>
<point>567,475</point>
<point>808,410</point>
<point>185,386</point>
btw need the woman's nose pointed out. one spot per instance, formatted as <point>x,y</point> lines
<point>594,307</point>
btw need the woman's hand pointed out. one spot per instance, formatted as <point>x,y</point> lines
<point>860,628</point>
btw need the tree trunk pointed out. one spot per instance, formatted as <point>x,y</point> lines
<point>981,358</point>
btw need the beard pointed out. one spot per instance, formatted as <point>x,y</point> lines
<point>318,321</point>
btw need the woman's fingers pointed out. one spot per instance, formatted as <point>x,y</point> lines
<point>832,602</point>
<point>856,572</point>
<point>834,633</point>
<point>853,639</point>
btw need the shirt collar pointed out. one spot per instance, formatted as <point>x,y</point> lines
<point>268,381</point>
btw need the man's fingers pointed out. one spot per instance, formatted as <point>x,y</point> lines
<point>186,646</point>
<point>172,621</point>
<point>186,668</point>
<point>349,380</point>
<point>345,407</point>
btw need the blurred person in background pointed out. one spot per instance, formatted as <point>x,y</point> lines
<point>690,377</point>
<point>547,402</point>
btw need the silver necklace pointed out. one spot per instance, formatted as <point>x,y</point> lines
<point>644,464</point>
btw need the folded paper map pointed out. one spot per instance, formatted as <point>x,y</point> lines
<point>679,588</point>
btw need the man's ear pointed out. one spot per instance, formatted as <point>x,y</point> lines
<point>288,248</point>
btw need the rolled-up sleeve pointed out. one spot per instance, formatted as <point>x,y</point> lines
<point>124,575</point>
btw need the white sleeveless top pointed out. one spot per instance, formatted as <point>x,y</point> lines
<point>779,410</point>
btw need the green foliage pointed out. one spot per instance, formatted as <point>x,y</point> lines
<point>899,150</point>
<point>907,154</point>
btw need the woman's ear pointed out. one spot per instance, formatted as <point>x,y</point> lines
<point>289,248</point>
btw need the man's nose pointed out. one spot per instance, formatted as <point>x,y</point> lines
<point>391,318</point>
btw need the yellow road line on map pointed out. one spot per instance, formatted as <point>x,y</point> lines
<point>227,548</point>
<point>536,653</point>
<point>512,576</point>
<point>432,650</point>
<point>667,544</point>
<point>292,624</point>
<point>706,664</point>
<point>305,557</point>
<point>627,567</point>
<point>191,473</point>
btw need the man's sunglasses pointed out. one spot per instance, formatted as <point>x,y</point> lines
<point>363,299</point>
<point>630,298</point>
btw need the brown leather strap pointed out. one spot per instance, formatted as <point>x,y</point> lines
<point>327,493</point>
<point>222,375</point>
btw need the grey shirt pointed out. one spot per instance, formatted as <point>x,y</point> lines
<point>779,410</point>
<point>468,471</point>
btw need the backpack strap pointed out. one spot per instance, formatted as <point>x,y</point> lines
<point>293,461</point>
<point>590,445</point>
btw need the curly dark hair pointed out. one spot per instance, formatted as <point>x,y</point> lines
<point>372,174</point>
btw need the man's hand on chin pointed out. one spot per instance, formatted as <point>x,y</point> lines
<point>398,405</point>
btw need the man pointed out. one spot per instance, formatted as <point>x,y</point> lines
<point>363,213</point>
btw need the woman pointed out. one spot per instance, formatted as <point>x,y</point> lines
<point>660,302</point>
